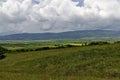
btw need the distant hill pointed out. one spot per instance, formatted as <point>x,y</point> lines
<point>9,33</point>
<point>64,35</point>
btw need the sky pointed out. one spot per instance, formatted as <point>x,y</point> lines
<point>38,16</point>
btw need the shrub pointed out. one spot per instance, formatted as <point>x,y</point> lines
<point>38,49</point>
<point>61,46</point>
<point>45,48</point>
<point>23,50</point>
<point>69,45</point>
<point>2,52</point>
<point>117,42</point>
<point>98,43</point>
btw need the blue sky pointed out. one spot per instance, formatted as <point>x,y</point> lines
<point>36,16</point>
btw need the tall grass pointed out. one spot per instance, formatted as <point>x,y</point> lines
<point>100,62</point>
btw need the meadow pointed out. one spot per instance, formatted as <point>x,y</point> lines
<point>76,62</point>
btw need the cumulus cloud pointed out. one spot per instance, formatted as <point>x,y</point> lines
<point>58,15</point>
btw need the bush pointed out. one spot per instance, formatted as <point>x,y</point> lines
<point>98,43</point>
<point>69,45</point>
<point>117,42</point>
<point>43,48</point>
<point>61,46</point>
<point>23,50</point>
<point>2,52</point>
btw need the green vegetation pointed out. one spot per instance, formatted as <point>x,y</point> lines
<point>73,61</point>
<point>17,44</point>
<point>98,43</point>
<point>2,52</point>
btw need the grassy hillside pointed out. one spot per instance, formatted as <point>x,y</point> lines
<point>100,62</point>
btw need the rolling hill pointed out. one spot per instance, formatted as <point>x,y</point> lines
<point>101,62</point>
<point>64,35</point>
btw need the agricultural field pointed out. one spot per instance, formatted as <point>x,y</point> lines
<point>71,62</point>
<point>18,44</point>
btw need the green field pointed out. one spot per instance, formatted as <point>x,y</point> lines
<point>19,44</point>
<point>98,62</point>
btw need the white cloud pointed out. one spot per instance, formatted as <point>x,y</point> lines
<point>58,15</point>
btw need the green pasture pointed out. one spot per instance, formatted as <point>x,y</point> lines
<point>19,44</point>
<point>97,62</point>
